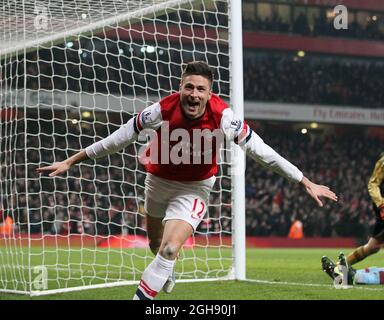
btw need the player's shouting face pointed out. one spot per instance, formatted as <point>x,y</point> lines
<point>195,91</point>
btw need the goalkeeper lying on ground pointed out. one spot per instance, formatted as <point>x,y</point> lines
<point>337,271</point>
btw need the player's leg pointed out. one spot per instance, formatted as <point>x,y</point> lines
<point>338,271</point>
<point>189,208</point>
<point>345,269</point>
<point>176,232</point>
<point>328,267</point>
<point>155,232</point>
<point>186,207</point>
<point>160,273</point>
<point>183,215</point>
<point>155,214</point>
<point>171,281</point>
<point>374,243</point>
<point>155,206</point>
<point>371,247</point>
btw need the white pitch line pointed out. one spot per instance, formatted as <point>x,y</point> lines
<point>360,287</point>
<point>357,287</point>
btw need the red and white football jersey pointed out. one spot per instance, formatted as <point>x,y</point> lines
<point>177,133</point>
<point>178,152</point>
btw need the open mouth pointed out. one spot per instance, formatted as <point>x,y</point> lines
<point>193,103</point>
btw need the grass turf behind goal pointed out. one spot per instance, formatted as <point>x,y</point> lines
<point>274,274</point>
<point>53,268</point>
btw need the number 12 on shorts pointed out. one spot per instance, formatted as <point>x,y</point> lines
<point>198,209</point>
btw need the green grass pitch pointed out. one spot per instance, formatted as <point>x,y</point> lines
<point>275,274</point>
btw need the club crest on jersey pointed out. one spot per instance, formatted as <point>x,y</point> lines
<point>236,124</point>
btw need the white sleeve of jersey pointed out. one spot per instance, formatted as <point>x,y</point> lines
<point>267,157</point>
<point>149,118</point>
<point>237,130</point>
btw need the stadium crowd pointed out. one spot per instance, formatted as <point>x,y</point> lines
<point>343,162</point>
<point>268,76</point>
<point>315,25</point>
<point>316,80</point>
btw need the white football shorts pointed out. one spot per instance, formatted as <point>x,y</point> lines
<point>168,199</point>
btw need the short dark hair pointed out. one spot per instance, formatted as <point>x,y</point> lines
<point>200,68</point>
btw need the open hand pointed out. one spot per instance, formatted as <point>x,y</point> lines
<point>55,169</point>
<point>316,191</point>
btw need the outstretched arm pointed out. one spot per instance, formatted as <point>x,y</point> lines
<point>255,147</point>
<point>122,137</point>
<point>267,157</point>
<point>63,166</point>
<point>316,191</point>
<point>150,118</point>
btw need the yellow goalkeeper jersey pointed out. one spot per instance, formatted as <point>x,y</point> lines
<point>375,182</point>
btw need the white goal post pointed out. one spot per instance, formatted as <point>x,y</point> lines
<point>71,72</point>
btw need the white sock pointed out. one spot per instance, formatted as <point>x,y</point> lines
<point>154,278</point>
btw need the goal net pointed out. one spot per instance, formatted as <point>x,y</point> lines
<point>71,73</point>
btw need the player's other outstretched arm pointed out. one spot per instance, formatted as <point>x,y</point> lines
<point>111,144</point>
<point>149,118</point>
<point>269,158</point>
<point>116,141</point>
<point>61,167</point>
<point>255,147</point>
